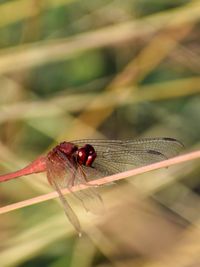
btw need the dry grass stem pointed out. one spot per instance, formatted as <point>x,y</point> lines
<point>27,56</point>
<point>104,180</point>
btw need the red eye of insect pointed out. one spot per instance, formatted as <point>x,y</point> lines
<point>82,156</point>
<point>91,155</point>
<point>86,155</point>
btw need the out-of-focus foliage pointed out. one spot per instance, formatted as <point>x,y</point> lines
<point>114,69</point>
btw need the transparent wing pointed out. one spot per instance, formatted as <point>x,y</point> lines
<point>89,197</point>
<point>119,155</point>
<point>91,200</point>
<point>54,178</point>
<point>67,175</point>
<point>68,210</point>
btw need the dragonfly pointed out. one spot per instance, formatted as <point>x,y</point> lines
<point>77,162</point>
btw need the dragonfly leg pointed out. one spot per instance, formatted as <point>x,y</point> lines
<point>84,179</point>
<point>71,182</point>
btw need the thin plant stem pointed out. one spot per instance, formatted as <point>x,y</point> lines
<point>104,180</point>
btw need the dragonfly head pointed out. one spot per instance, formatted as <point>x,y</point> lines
<point>86,155</point>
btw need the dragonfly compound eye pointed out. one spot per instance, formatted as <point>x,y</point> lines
<point>86,155</point>
<point>82,156</point>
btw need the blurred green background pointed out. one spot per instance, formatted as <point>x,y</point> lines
<point>110,69</point>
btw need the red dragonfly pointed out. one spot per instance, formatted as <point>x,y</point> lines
<point>77,162</point>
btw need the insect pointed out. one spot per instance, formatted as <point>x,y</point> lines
<point>78,162</point>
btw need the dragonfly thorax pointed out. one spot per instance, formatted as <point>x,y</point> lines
<point>84,155</point>
<point>67,148</point>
